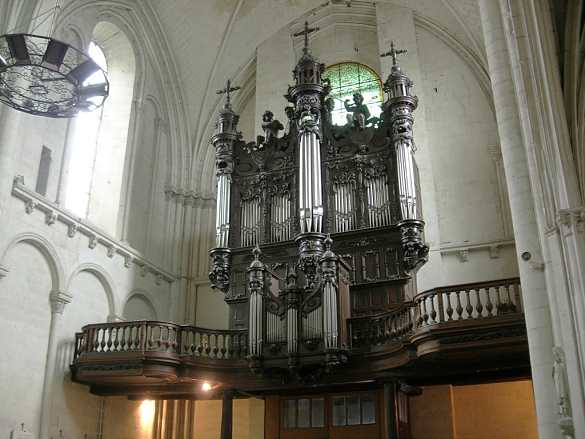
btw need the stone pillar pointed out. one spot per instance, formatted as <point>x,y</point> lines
<point>528,246</point>
<point>58,300</point>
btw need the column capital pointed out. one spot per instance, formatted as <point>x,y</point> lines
<point>58,301</point>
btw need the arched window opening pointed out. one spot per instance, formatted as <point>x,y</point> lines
<point>84,146</point>
<point>97,140</point>
<point>348,78</point>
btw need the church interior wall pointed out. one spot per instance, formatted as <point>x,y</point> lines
<point>168,219</point>
<point>23,291</point>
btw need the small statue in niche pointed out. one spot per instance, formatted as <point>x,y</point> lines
<point>271,127</point>
<point>358,112</point>
<point>562,387</point>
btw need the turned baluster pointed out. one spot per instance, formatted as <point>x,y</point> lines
<point>207,346</point>
<point>237,345</point>
<point>199,349</point>
<point>479,304</point>
<point>433,313</point>
<point>110,331</point>
<point>142,335</point>
<point>223,349</point>
<point>116,342</point>
<point>163,338</point>
<point>508,299</point>
<point>459,308</point>
<point>213,342</point>
<point>489,306</point>
<point>425,314</point>
<point>449,307</point>
<point>102,333</point>
<point>469,307</point>
<point>441,305</point>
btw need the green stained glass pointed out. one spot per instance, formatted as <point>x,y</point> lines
<point>349,78</point>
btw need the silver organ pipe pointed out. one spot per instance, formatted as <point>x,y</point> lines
<point>251,210</point>
<point>255,324</point>
<point>310,200</point>
<point>406,180</point>
<point>275,328</point>
<point>313,324</point>
<point>378,197</point>
<point>345,210</point>
<point>280,218</point>
<point>292,333</point>
<point>222,216</point>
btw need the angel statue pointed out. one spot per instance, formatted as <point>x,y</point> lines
<point>270,126</point>
<point>358,113</point>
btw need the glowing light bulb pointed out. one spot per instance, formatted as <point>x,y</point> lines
<point>206,387</point>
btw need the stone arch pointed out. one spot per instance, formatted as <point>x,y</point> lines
<point>146,298</point>
<point>48,252</point>
<point>104,279</point>
<point>142,27</point>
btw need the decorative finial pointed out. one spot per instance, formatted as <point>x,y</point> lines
<point>393,53</point>
<point>328,242</point>
<point>306,33</point>
<point>257,253</point>
<point>227,90</point>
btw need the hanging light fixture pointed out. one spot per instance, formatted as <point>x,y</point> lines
<point>46,77</point>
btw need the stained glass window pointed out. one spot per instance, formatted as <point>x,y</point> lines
<point>348,78</point>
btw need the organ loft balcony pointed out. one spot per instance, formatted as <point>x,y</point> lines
<point>319,236</point>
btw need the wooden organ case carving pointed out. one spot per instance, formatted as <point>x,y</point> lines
<point>316,225</point>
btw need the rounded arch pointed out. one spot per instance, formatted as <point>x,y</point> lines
<point>142,27</point>
<point>145,297</point>
<point>347,80</point>
<point>104,279</point>
<point>48,252</point>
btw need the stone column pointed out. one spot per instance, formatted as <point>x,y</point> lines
<point>528,246</point>
<point>58,300</point>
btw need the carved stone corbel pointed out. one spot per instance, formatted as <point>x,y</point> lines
<point>30,206</point>
<point>93,242</point>
<point>51,217</point>
<point>72,230</point>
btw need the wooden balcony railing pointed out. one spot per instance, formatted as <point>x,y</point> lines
<point>451,306</point>
<point>169,340</point>
<point>486,316</point>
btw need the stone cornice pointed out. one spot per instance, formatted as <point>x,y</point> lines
<point>55,213</point>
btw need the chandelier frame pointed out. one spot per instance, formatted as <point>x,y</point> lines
<point>43,76</point>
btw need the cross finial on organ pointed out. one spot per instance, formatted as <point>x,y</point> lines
<point>227,90</point>
<point>393,53</point>
<point>306,31</point>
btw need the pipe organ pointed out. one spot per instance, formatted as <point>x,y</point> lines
<point>317,224</point>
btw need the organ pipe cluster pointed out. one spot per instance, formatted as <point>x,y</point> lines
<point>276,189</point>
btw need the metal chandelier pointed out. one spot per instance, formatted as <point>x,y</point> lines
<point>42,76</point>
